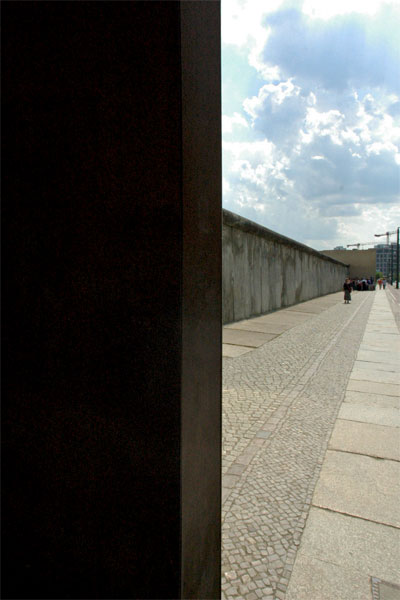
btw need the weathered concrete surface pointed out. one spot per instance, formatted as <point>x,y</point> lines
<point>376,376</point>
<point>314,579</point>
<point>338,555</point>
<point>366,438</point>
<point>363,364</point>
<point>386,389</point>
<point>231,351</point>
<point>377,415</point>
<point>374,400</point>
<point>361,486</point>
<point>264,271</point>
<point>240,337</point>
<point>376,356</point>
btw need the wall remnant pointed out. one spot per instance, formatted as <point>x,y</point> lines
<point>264,271</point>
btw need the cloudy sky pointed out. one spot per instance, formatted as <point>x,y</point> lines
<point>311,117</point>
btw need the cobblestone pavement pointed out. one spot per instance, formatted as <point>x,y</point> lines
<point>280,403</point>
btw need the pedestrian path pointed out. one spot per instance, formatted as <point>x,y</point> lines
<point>350,548</point>
<point>243,336</point>
<point>281,405</point>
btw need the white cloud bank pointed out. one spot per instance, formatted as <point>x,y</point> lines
<point>315,152</point>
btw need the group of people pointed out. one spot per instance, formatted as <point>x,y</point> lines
<point>382,282</point>
<point>360,285</point>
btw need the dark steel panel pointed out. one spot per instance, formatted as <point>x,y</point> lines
<point>99,250</point>
<point>202,302</point>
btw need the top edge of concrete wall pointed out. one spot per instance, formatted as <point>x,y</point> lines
<point>231,219</point>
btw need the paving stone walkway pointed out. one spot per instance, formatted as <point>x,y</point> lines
<point>280,403</point>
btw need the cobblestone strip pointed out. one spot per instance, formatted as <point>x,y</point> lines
<point>280,405</point>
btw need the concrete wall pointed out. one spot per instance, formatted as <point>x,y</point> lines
<point>264,271</point>
<point>362,262</point>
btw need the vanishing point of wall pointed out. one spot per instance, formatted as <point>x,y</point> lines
<point>264,271</point>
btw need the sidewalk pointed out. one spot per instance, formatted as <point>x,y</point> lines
<point>282,483</point>
<point>350,548</point>
<point>243,336</point>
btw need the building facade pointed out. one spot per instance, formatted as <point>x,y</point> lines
<point>386,259</point>
<point>362,263</point>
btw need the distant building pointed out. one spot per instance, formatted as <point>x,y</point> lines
<point>386,257</point>
<point>362,263</point>
<point>339,248</point>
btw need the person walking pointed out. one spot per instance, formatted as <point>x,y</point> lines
<point>347,291</point>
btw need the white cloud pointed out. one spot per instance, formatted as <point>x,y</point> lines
<point>321,9</point>
<point>378,147</point>
<point>324,123</point>
<point>315,155</point>
<point>228,123</point>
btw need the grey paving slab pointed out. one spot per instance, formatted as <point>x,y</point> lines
<point>384,389</point>
<point>262,327</point>
<point>285,314</point>
<point>329,301</point>
<point>383,590</point>
<point>366,438</point>
<point>385,320</point>
<point>241,337</point>
<point>315,309</point>
<point>368,366</point>
<point>315,579</point>
<point>373,400</point>
<point>375,376</point>
<point>361,546</point>
<point>380,357</point>
<point>361,486</point>
<point>383,333</point>
<point>381,317</point>
<point>390,329</point>
<point>376,341</point>
<point>385,347</point>
<point>231,351</point>
<point>393,348</point>
<point>378,415</point>
<point>287,320</point>
<point>387,329</point>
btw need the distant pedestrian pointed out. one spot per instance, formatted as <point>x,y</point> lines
<point>347,291</point>
<point>384,284</point>
<point>380,283</point>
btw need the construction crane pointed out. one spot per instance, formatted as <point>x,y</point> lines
<point>388,233</point>
<point>364,244</point>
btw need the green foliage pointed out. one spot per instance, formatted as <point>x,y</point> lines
<point>379,274</point>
